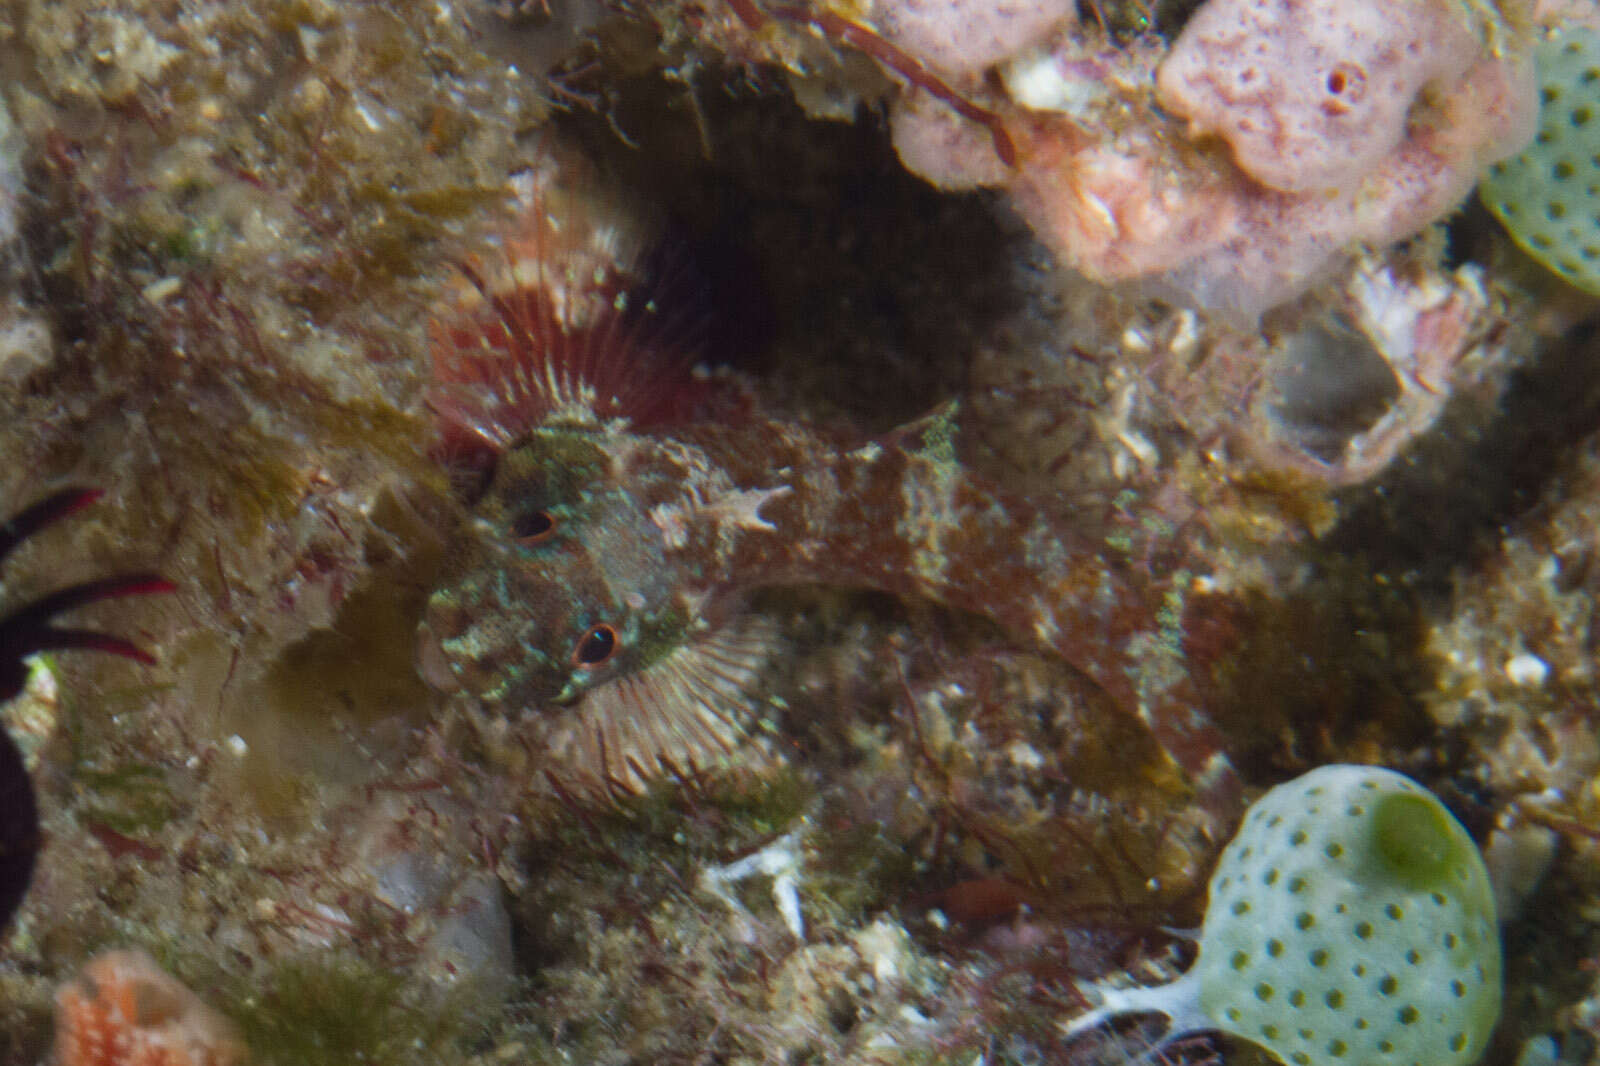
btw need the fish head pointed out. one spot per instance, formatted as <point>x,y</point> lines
<point>565,583</point>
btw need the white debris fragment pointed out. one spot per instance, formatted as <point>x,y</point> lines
<point>1526,670</point>
<point>780,860</point>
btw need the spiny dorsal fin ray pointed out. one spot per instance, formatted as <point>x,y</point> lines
<point>582,318</point>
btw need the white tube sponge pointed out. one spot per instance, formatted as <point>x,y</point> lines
<point>1312,94</point>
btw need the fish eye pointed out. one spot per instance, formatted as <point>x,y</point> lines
<point>533,527</point>
<point>596,646</point>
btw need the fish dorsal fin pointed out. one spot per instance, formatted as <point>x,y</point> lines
<point>576,318</point>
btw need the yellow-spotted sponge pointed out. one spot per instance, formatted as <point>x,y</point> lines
<point>1548,198</point>
<point>1350,922</point>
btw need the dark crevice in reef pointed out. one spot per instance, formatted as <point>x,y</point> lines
<point>1448,498</point>
<point>872,287</point>
<point>1339,666</point>
<point>1549,966</point>
<point>1314,676</point>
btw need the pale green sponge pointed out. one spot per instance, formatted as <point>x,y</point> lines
<point>1350,922</point>
<point>1548,198</point>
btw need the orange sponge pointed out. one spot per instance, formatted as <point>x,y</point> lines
<point>124,1010</point>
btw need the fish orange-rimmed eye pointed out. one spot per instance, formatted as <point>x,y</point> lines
<point>595,647</point>
<point>532,527</point>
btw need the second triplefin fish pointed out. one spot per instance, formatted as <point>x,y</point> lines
<point>27,630</point>
<point>617,534</point>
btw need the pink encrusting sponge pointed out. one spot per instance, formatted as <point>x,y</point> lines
<point>1313,94</point>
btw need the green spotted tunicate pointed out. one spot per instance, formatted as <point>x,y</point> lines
<point>1350,921</point>
<point>1548,198</point>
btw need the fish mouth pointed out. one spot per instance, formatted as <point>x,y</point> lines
<point>466,652</point>
<point>459,649</point>
<point>454,656</point>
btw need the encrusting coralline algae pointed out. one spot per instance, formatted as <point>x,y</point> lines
<point>1279,454</point>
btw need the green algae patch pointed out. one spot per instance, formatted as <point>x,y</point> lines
<point>333,1012</point>
<point>132,799</point>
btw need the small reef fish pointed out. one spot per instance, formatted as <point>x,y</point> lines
<point>25,631</point>
<point>617,535</point>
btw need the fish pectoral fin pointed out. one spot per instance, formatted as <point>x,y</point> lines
<point>687,715</point>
